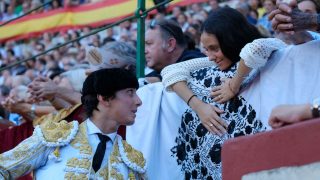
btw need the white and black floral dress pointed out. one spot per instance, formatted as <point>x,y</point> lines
<point>197,150</point>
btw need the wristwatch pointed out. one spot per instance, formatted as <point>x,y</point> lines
<point>33,111</point>
<point>315,109</point>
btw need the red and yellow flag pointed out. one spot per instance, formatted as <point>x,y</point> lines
<point>93,15</point>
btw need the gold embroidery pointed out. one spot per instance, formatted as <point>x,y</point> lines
<point>19,160</point>
<point>80,142</point>
<point>68,175</point>
<point>134,155</point>
<point>53,131</point>
<point>114,157</point>
<point>74,176</point>
<point>116,175</point>
<point>73,162</point>
<point>131,175</point>
<point>79,163</point>
<point>82,176</point>
<point>84,163</point>
<point>21,170</point>
<point>104,172</point>
<point>56,152</point>
<point>18,152</point>
<point>2,158</point>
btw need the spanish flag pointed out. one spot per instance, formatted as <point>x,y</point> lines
<point>93,15</point>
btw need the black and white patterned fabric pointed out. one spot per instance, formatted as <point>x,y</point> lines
<point>197,151</point>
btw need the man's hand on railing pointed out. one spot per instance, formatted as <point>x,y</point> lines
<point>289,114</point>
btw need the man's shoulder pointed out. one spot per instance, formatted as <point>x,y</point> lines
<point>54,134</point>
<point>190,54</point>
<point>133,158</point>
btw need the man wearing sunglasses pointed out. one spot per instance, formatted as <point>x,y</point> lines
<point>165,45</point>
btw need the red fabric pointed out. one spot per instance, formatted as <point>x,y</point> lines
<point>77,114</point>
<point>4,124</point>
<point>122,132</point>
<point>12,136</point>
<point>26,177</point>
<point>292,145</point>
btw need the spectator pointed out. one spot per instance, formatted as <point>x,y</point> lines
<point>309,6</point>
<point>214,5</point>
<point>40,66</point>
<point>4,93</point>
<point>9,14</point>
<point>47,41</point>
<point>169,37</point>
<point>196,7</point>
<point>95,41</point>
<point>25,8</point>
<point>56,4</point>
<point>182,21</point>
<point>109,37</point>
<point>269,6</point>
<point>176,11</point>
<point>194,31</point>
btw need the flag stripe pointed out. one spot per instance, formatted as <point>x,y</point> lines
<point>92,15</point>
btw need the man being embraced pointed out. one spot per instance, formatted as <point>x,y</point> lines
<point>90,150</point>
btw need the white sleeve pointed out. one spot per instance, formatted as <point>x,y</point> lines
<point>256,54</point>
<point>30,154</point>
<point>181,71</point>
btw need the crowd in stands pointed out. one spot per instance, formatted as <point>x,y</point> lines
<point>30,90</point>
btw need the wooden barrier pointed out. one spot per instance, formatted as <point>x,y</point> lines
<point>293,145</point>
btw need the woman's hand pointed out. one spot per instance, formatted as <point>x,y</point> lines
<point>210,119</point>
<point>227,90</point>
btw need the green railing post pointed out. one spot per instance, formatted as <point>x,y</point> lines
<point>140,38</point>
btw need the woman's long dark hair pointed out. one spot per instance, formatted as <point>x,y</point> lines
<point>232,31</point>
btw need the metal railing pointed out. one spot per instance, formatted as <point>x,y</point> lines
<point>25,14</point>
<point>139,14</point>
